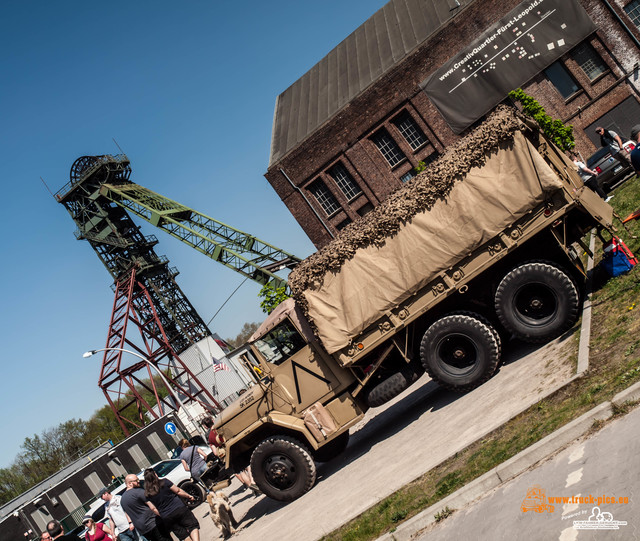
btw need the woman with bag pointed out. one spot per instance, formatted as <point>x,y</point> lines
<point>193,459</point>
<point>96,531</point>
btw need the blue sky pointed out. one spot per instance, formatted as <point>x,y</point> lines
<point>187,89</point>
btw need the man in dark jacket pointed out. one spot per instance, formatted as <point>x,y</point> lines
<point>612,140</point>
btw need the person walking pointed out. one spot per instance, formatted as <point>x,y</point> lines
<point>167,498</point>
<point>96,531</point>
<point>144,514</point>
<point>193,459</point>
<point>612,140</point>
<point>119,522</point>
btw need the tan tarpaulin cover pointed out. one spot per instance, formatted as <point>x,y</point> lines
<point>377,279</point>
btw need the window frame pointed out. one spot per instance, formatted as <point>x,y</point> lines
<point>317,182</point>
<point>595,58</point>
<point>570,76</point>
<point>633,12</point>
<point>408,175</point>
<point>403,117</point>
<point>347,179</point>
<point>391,144</point>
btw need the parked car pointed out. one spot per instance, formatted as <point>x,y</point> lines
<point>610,171</point>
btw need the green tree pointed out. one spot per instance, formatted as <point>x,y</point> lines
<point>12,483</point>
<point>44,454</point>
<point>271,297</point>
<point>560,134</point>
<point>104,425</point>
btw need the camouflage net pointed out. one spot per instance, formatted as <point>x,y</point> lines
<point>418,195</point>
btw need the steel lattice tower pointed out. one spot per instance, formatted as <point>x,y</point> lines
<point>120,245</point>
<point>125,252</point>
<point>121,384</point>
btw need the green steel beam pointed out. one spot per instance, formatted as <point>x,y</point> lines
<point>235,249</point>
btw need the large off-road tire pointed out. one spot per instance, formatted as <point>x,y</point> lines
<point>486,322</point>
<point>537,301</point>
<point>194,489</point>
<point>460,352</point>
<point>391,387</point>
<point>283,468</point>
<point>332,449</point>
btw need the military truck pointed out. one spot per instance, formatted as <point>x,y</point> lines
<point>486,244</point>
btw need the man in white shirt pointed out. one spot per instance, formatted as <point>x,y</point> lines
<point>119,521</point>
<point>588,176</point>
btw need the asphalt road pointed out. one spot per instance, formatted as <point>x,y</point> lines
<point>398,442</point>
<point>604,465</point>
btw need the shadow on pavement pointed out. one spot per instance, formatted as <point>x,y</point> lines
<point>424,397</point>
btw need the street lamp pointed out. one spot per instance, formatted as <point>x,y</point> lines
<point>175,396</point>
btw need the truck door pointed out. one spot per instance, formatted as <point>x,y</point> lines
<point>300,372</point>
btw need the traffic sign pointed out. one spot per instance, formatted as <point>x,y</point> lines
<point>170,428</point>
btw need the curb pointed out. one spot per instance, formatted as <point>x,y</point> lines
<point>585,329</point>
<point>514,466</point>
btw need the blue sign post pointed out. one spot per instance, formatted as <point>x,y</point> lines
<point>170,428</point>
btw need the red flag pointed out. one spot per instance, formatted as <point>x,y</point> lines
<point>223,345</point>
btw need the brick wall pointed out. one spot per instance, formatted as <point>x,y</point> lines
<point>346,138</point>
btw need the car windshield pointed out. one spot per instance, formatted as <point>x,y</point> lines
<point>166,467</point>
<point>280,343</point>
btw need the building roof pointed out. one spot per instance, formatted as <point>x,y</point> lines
<point>378,45</point>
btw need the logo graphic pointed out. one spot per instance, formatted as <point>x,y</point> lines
<point>599,521</point>
<point>535,500</point>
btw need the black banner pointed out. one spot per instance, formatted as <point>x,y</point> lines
<point>507,55</point>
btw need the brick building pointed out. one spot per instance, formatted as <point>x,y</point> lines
<point>352,129</point>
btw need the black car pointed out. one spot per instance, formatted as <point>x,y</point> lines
<point>610,171</point>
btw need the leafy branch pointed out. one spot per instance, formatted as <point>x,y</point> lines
<point>554,129</point>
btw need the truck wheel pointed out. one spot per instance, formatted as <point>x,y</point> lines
<point>332,449</point>
<point>460,352</point>
<point>537,302</point>
<point>193,489</point>
<point>486,322</point>
<point>283,468</point>
<point>391,387</point>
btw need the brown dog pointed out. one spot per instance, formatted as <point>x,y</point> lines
<point>221,513</point>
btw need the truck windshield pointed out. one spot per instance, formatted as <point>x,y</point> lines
<point>280,343</point>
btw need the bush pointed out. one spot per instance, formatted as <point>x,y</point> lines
<point>555,130</point>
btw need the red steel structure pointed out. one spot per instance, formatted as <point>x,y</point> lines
<point>123,386</point>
